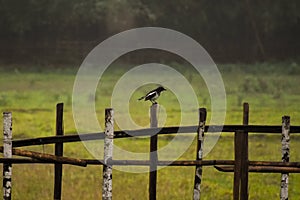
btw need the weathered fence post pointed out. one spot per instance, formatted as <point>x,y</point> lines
<point>153,153</point>
<point>108,153</point>
<point>199,156</point>
<point>244,155</point>
<point>237,164</point>
<point>241,166</point>
<point>7,151</point>
<point>285,141</point>
<point>58,152</point>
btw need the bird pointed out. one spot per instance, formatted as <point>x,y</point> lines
<point>153,95</point>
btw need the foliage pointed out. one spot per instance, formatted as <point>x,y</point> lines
<point>229,30</point>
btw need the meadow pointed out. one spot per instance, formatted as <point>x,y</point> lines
<point>271,89</point>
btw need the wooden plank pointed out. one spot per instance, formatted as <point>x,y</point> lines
<point>159,163</point>
<point>244,155</point>
<point>274,163</point>
<point>164,162</point>
<point>147,132</point>
<point>193,163</point>
<point>48,157</point>
<point>108,153</point>
<point>7,151</point>
<point>237,167</point>
<point>25,161</point>
<point>58,152</point>
<point>199,154</point>
<point>262,169</point>
<point>285,142</point>
<point>56,139</point>
<point>153,153</point>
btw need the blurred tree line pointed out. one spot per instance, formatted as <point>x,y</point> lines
<point>64,31</point>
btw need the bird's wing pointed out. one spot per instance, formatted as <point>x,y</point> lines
<point>151,95</point>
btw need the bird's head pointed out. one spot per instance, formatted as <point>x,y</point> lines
<point>160,89</point>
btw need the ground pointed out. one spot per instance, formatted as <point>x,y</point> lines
<point>271,89</point>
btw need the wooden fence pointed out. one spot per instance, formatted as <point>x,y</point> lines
<point>241,165</point>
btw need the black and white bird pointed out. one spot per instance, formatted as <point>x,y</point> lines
<point>153,95</point>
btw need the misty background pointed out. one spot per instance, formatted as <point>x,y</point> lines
<point>63,32</point>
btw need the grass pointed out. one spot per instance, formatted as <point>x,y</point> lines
<point>270,88</point>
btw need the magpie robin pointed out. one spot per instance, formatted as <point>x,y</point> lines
<point>153,94</point>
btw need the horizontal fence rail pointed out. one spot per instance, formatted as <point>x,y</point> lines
<point>149,132</point>
<point>159,162</point>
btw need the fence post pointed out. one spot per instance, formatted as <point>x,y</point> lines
<point>58,152</point>
<point>200,140</point>
<point>7,151</point>
<point>237,164</point>
<point>108,153</point>
<point>241,166</point>
<point>153,153</point>
<point>285,141</point>
<point>244,155</point>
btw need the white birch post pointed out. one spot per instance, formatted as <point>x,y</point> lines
<point>285,141</point>
<point>7,153</point>
<point>200,142</point>
<point>108,152</point>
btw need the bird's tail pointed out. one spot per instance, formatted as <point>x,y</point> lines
<point>141,98</point>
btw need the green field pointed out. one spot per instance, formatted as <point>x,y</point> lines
<point>271,89</point>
